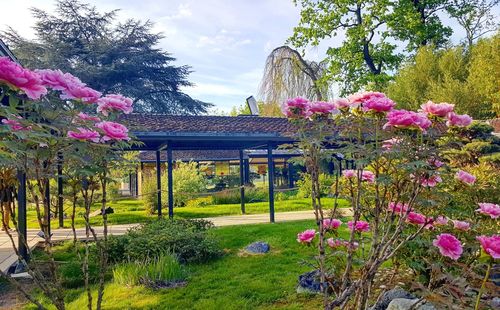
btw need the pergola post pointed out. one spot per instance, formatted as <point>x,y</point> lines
<point>158,182</point>
<point>47,206</point>
<point>242,183</point>
<point>290,175</point>
<point>60,200</point>
<point>270,174</point>
<point>246,163</point>
<point>21,215</point>
<point>136,183</point>
<point>170,183</point>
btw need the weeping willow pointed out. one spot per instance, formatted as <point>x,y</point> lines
<point>287,75</point>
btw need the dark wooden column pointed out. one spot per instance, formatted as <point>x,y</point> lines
<point>47,200</point>
<point>136,183</point>
<point>270,175</point>
<point>170,183</point>
<point>246,162</point>
<point>242,183</point>
<point>291,181</point>
<point>21,215</point>
<point>60,199</point>
<point>158,182</point>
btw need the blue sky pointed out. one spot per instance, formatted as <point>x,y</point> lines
<point>226,42</point>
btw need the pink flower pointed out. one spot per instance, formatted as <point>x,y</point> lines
<point>378,104</point>
<point>87,117</point>
<point>399,208</point>
<point>17,77</point>
<point>321,108</point>
<point>15,125</point>
<point>331,223</point>
<point>58,80</point>
<point>83,93</point>
<point>114,102</point>
<point>465,177</point>
<point>306,236</point>
<point>437,109</point>
<point>490,245</point>
<point>491,209</point>
<point>431,181</point>
<point>337,243</point>
<point>390,143</point>
<point>458,120</point>
<point>461,225</point>
<point>448,245</point>
<point>435,162</point>
<point>113,131</point>
<point>366,175</point>
<point>441,220</point>
<point>360,226</point>
<point>84,135</point>
<point>407,119</point>
<point>296,108</point>
<point>361,97</point>
<point>341,103</point>
<point>416,218</point>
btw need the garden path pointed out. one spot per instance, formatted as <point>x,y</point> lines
<point>8,257</point>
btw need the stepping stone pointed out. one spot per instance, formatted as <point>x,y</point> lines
<point>258,247</point>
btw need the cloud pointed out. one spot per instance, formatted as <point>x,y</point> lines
<point>183,11</point>
<point>222,41</point>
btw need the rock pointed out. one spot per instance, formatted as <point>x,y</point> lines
<point>97,212</point>
<point>258,247</point>
<point>309,282</point>
<point>388,296</point>
<point>406,304</point>
<point>495,303</point>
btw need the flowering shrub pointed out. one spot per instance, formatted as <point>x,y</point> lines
<point>44,123</point>
<point>397,192</point>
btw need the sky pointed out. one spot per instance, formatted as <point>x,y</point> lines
<point>225,42</point>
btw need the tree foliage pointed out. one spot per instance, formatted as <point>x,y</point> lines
<point>471,80</point>
<point>110,57</point>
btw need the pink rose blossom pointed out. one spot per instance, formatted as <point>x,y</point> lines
<point>378,104</point>
<point>416,218</point>
<point>461,225</point>
<point>83,93</point>
<point>113,131</point>
<point>321,107</point>
<point>341,103</point>
<point>399,208</point>
<point>15,125</point>
<point>361,97</point>
<point>407,119</point>
<point>465,177</point>
<point>390,143</point>
<point>84,135</point>
<point>431,181</point>
<point>17,77</point>
<point>306,236</point>
<point>435,162</point>
<point>349,173</point>
<point>360,226</point>
<point>437,109</point>
<point>58,80</point>
<point>296,108</point>
<point>331,223</point>
<point>337,243</point>
<point>491,245</point>
<point>86,117</point>
<point>458,120</point>
<point>448,245</point>
<point>114,102</point>
<point>441,220</point>
<point>491,209</point>
<point>366,175</point>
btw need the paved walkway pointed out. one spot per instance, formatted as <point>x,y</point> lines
<point>8,257</point>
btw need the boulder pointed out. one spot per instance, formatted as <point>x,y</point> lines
<point>309,282</point>
<point>388,296</point>
<point>258,247</point>
<point>406,304</point>
<point>97,212</point>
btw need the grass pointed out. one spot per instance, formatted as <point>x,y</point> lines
<point>232,282</point>
<point>132,211</point>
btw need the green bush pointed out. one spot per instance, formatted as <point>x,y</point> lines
<point>189,240</point>
<point>304,184</point>
<point>478,148</point>
<point>232,196</point>
<point>492,160</point>
<point>165,268</point>
<point>285,195</point>
<point>149,193</point>
<point>199,202</point>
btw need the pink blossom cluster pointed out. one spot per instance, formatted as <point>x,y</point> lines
<point>70,86</point>
<point>359,226</point>
<point>455,120</point>
<point>306,236</point>
<point>296,108</point>
<point>437,109</point>
<point>465,177</point>
<point>366,175</point>
<point>404,119</point>
<point>398,208</point>
<point>490,245</point>
<point>15,125</point>
<point>321,108</point>
<point>451,247</point>
<point>431,181</point>
<point>331,224</point>
<point>337,243</point>
<point>17,77</point>
<point>490,209</point>
<point>114,102</point>
<point>390,143</point>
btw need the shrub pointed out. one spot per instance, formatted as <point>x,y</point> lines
<point>232,196</point>
<point>149,196</point>
<point>304,185</point>
<point>199,202</point>
<point>189,240</point>
<point>165,268</point>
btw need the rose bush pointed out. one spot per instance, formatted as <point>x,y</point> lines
<point>398,194</point>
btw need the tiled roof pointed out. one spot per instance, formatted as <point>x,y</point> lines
<point>192,155</point>
<point>191,124</point>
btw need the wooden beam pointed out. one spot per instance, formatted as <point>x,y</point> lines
<point>242,183</point>
<point>170,183</point>
<point>270,174</point>
<point>60,198</point>
<point>21,215</point>
<point>158,182</point>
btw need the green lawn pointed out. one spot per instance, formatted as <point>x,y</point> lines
<point>231,282</point>
<point>132,211</point>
